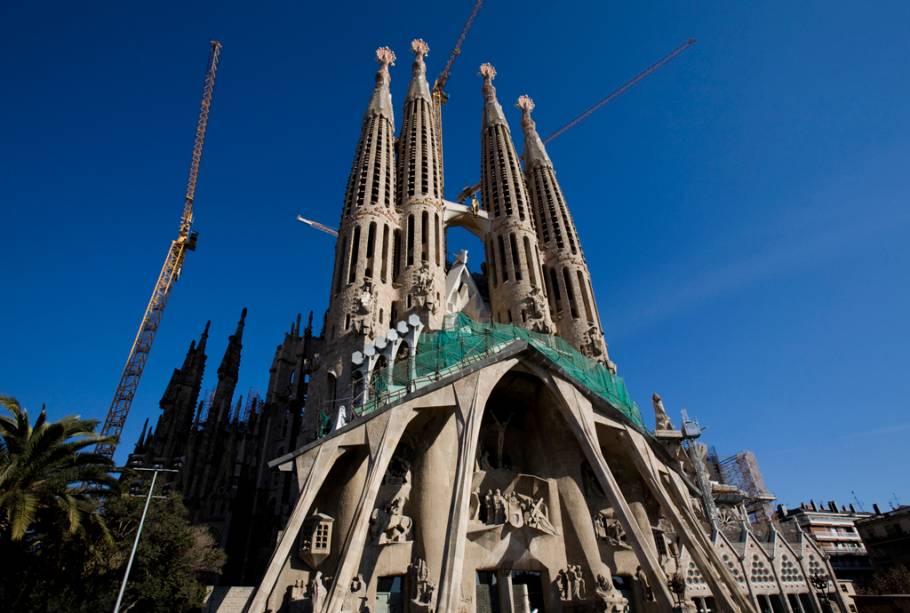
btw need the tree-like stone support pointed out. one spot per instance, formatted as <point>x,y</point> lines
<point>581,423</point>
<point>382,449</point>
<point>320,461</point>
<point>721,583</point>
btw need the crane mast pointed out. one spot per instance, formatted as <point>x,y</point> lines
<point>170,272</point>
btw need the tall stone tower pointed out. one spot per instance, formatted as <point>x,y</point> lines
<point>179,404</point>
<point>517,292</point>
<point>363,294</point>
<point>423,254</point>
<point>566,276</point>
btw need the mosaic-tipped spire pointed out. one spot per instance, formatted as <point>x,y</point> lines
<point>535,152</point>
<point>492,110</point>
<point>381,102</point>
<point>419,88</point>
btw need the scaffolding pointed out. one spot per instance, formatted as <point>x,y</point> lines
<point>464,342</point>
<point>742,471</point>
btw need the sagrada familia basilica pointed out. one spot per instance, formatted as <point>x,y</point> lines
<point>455,441</point>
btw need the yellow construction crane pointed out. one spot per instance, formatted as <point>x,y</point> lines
<point>440,97</point>
<point>469,191</point>
<point>170,272</point>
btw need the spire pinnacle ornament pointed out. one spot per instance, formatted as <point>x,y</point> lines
<point>420,47</point>
<point>385,56</point>
<point>487,71</point>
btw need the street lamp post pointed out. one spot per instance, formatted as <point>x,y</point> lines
<point>148,500</point>
<point>820,583</point>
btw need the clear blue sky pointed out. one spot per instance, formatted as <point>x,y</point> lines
<point>743,211</point>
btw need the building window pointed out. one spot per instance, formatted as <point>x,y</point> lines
<point>355,253</point>
<point>410,239</point>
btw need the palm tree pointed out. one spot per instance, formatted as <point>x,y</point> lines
<point>47,476</point>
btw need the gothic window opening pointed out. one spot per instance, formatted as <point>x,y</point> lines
<point>438,243</point>
<point>377,167</point>
<point>385,252</point>
<point>396,255</point>
<point>371,248</point>
<point>339,266</point>
<point>425,237</point>
<point>410,239</point>
<point>355,253</point>
<point>585,298</point>
<point>492,258</point>
<point>549,288</point>
<point>504,269</point>
<point>570,293</point>
<point>532,274</point>
<point>554,282</point>
<point>516,259</point>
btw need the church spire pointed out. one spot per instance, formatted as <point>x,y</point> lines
<point>517,292</point>
<point>420,200</point>
<point>492,110</point>
<point>362,290</point>
<point>381,102</point>
<point>419,88</point>
<point>565,270</point>
<point>228,373</point>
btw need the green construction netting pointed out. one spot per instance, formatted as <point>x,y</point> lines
<point>441,353</point>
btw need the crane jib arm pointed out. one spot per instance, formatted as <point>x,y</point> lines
<point>170,272</point>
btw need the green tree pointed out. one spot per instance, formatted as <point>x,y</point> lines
<point>66,528</point>
<point>46,476</point>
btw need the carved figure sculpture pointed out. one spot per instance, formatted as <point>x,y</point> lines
<point>389,524</point>
<point>423,288</point>
<point>516,510</point>
<point>422,588</point>
<point>317,591</point>
<point>642,579</point>
<point>592,345</point>
<point>570,583</point>
<point>362,309</point>
<point>607,527</point>
<point>661,419</point>
<point>535,308</point>
<point>500,437</point>
<point>608,598</point>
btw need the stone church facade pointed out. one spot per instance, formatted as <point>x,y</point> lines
<point>461,442</point>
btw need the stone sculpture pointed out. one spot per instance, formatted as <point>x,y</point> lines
<point>608,528</point>
<point>661,419</point>
<point>608,598</point>
<point>516,510</point>
<point>388,523</point>
<point>536,310</point>
<point>642,579</point>
<point>422,589</point>
<point>570,583</point>
<point>423,288</point>
<point>318,591</point>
